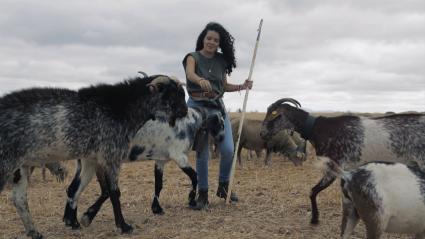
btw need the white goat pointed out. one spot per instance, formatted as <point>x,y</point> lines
<point>387,197</point>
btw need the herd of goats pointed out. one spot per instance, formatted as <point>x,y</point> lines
<point>380,160</point>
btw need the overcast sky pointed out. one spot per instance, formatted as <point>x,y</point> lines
<point>357,55</point>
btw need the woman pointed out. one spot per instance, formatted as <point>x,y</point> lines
<point>206,75</point>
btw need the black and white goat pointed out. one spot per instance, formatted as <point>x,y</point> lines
<point>350,140</point>
<point>95,124</point>
<point>161,142</point>
<point>386,196</point>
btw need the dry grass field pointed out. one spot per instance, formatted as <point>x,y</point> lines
<point>274,203</point>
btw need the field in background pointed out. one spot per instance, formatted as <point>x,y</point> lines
<point>261,115</point>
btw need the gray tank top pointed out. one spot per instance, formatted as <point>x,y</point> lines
<point>211,69</point>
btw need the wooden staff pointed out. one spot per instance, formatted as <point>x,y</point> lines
<point>232,172</point>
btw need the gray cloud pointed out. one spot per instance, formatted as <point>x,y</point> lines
<point>331,55</point>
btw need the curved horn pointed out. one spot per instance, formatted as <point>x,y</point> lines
<point>179,83</point>
<point>143,73</point>
<point>283,100</point>
<point>160,79</point>
<point>175,79</point>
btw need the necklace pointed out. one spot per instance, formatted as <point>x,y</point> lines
<point>209,60</point>
<point>211,66</point>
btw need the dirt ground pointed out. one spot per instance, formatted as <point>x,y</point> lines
<point>274,203</point>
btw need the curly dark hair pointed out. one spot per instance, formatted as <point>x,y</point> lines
<point>226,44</point>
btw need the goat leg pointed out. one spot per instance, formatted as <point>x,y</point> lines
<point>74,191</point>
<point>111,176</point>
<point>325,182</point>
<point>192,175</point>
<point>183,163</point>
<point>159,172</point>
<point>350,218</point>
<point>20,200</point>
<point>92,211</point>
<point>268,158</point>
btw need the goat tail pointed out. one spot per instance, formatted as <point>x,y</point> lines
<point>328,166</point>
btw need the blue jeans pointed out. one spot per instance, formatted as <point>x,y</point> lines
<point>225,147</point>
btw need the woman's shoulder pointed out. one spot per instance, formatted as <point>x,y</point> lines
<point>194,55</point>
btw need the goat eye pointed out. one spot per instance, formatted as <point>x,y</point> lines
<point>273,115</point>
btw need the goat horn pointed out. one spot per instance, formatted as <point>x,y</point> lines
<point>143,73</point>
<point>160,79</point>
<point>179,83</point>
<point>164,80</point>
<point>174,78</point>
<point>290,100</point>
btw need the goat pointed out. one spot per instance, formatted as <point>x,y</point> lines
<point>386,196</point>
<point>55,168</point>
<point>94,124</point>
<point>350,140</point>
<point>289,144</point>
<point>160,142</point>
<point>250,139</point>
<point>250,154</point>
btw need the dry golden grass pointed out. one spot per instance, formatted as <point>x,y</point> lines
<point>249,115</point>
<point>274,204</point>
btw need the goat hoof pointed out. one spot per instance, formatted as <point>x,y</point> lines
<point>314,221</point>
<point>157,210</point>
<point>35,235</point>
<point>76,226</point>
<point>192,203</point>
<point>73,224</point>
<point>67,222</point>
<point>126,228</point>
<point>192,198</point>
<point>85,220</point>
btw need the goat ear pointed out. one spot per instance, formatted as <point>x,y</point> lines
<point>152,89</point>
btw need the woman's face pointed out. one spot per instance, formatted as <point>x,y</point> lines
<point>211,41</point>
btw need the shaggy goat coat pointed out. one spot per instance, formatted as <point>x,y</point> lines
<point>95,124</point>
